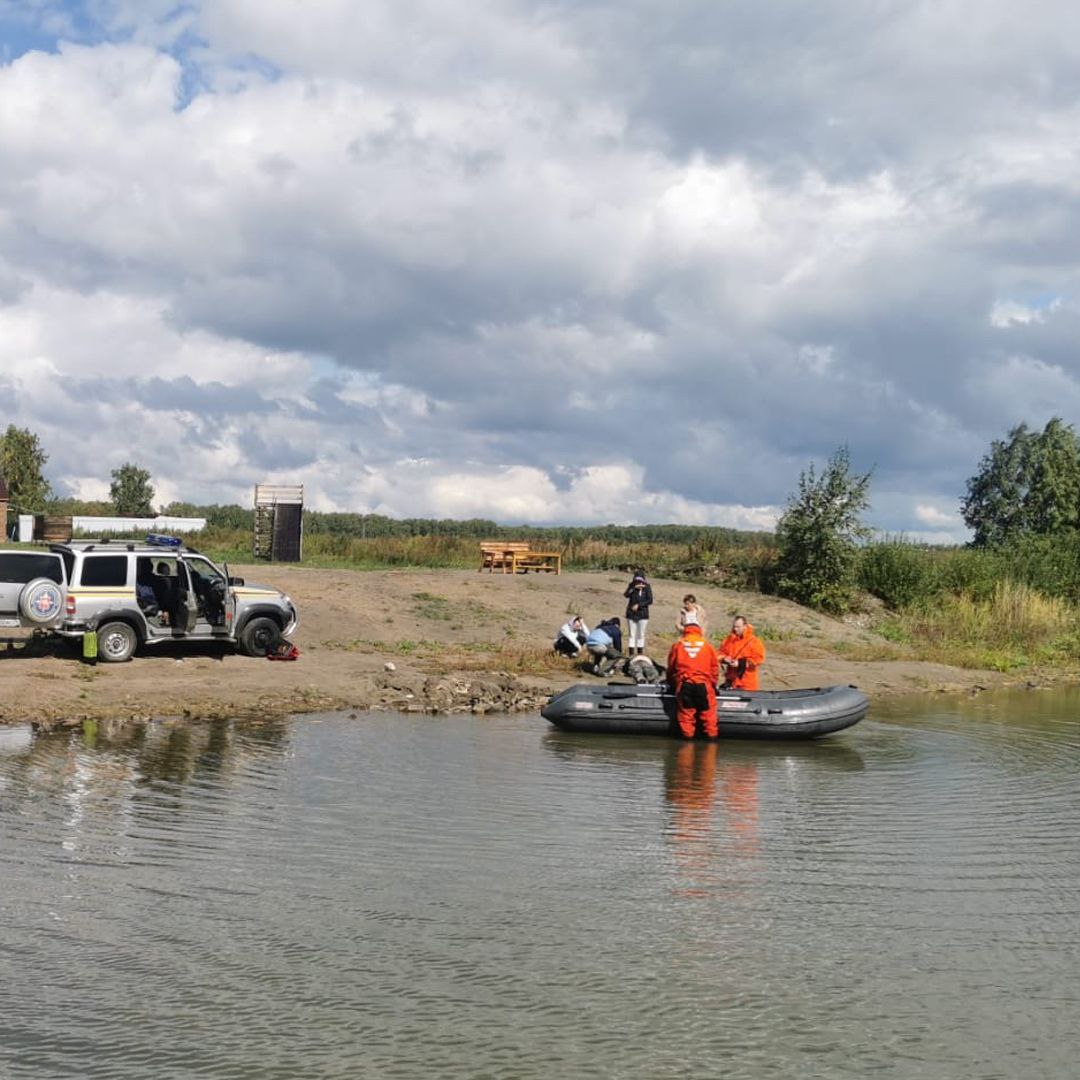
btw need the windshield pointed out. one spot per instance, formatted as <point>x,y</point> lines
<point>203,571</point>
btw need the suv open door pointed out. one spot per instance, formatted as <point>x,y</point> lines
<point>186,601</point>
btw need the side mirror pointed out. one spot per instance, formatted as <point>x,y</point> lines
<point>236,581</point>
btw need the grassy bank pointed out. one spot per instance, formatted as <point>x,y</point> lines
<point>737,566</point>
<point>1005,609</point>
<point>1002,609</point>
<point>1014,628</point>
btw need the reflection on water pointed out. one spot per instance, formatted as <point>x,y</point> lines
<point>16,739</point>
<point>694,780</point>
<point>406,896</point>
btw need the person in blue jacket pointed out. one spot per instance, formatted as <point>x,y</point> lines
<point>605,646</point>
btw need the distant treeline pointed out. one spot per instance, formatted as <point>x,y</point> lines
<point>897,571</point>
<point>378,526</point>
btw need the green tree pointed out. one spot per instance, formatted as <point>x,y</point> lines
<point>131,491</point>
<point>21,462</point>
<point>818,535</point>
<point>1029,484</point>
<point>1053,503</point>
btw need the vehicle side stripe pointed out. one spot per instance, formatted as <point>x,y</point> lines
<point>101,594</point>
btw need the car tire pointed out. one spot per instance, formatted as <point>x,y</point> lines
<point>258,636</point>
<point>41,601</point>
<point>117,642</point>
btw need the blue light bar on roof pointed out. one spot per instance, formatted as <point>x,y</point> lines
<point>161,540</point>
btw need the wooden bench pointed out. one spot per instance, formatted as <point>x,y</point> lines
<point>515,557</point>
<point>499,554</point>
<point>548,561</point>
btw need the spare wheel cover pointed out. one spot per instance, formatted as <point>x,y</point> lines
<point>41,601</point>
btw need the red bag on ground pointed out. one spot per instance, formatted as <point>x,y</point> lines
<point>286,650</point>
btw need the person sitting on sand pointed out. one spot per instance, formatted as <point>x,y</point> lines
<point>572,636</point>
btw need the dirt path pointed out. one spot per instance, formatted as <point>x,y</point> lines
<point>439,640</point>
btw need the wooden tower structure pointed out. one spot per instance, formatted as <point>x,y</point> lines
<point>279,522</point>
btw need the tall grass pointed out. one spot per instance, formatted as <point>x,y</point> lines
<point>902,573</point>
<point>736,565</point>
<point>1014,615</point>
<point>1014,627</point>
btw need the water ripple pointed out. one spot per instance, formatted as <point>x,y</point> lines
<point>396,897</point>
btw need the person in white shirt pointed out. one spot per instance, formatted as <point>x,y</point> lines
<point>691,609</point>
<point>571,638</point>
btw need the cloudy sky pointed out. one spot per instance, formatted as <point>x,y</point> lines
<point>539,260</point>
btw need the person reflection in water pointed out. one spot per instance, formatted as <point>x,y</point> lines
<point>696,777</point>
<point>691,790</point>
<point>739,786</point>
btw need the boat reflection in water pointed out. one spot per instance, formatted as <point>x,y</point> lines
<point>790,758</point>
<point>716,795</point>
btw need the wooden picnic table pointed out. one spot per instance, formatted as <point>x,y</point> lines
<point>515,557</point>
<point>548,561</point>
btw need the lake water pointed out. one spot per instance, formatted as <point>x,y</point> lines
<point>391,896</point>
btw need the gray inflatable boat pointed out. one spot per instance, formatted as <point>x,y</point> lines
<point>624,709</point>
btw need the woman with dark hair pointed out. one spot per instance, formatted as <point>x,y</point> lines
<point>638,599</point>
<point>691,609</point>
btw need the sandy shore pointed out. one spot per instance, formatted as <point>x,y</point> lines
<point>457,641</point>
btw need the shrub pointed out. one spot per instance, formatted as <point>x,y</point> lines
<point>968,572</point>
<point>818,536</point>
<point>896,572</point>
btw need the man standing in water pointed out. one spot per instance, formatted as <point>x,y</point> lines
<point>742,653</point>
<point>693,671</point>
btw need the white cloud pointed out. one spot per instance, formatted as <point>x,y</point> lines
<point>1027,388</point>
<point>608,493</point>
<point>934,516</point>
<point>1007,313</point>
<point>60,333</point>
<point>670,255</point>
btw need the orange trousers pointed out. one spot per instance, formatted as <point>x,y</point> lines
<point>696,701</point>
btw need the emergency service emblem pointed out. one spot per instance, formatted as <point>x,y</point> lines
<point>43,602</point>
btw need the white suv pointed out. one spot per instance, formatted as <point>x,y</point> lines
<point>138,594</point>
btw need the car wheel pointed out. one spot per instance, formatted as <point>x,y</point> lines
<point>41,601</point>
<point>116,642</point>
<point>258,636</point>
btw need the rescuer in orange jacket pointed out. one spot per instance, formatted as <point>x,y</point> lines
<point>741,654</point>
<point>693,668</point>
